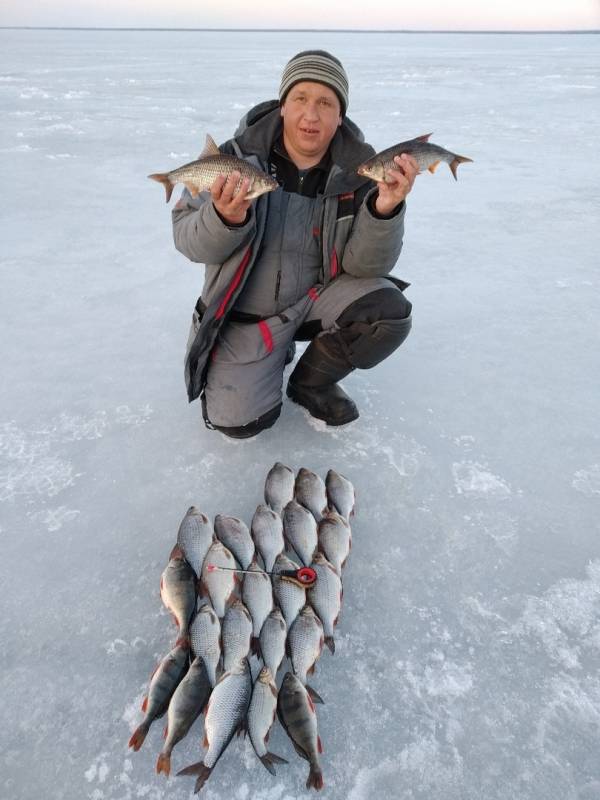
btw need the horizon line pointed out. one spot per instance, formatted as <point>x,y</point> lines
<point>295,30</point>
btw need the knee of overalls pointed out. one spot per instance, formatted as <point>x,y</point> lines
<point>375,325</point>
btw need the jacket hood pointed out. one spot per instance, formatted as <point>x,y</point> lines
<point>262,125</point>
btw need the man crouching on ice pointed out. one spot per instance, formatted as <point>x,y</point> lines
<point>308,261</point>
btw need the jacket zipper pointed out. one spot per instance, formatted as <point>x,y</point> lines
<point>278,281</point>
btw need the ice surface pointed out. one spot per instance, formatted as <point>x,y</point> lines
<point>468,651</point>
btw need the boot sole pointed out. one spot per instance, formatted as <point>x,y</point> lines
<point>333,423</point>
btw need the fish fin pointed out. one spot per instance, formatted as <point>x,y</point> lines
<point>319,744</point>
<point>163,764</point>
<point>314,695</point>
<point>205,742</point>
<point>311,704</point>
<point>166,731</point>
<point>275,694</point>
<point>300,751</point>
<point>210,148</point>
<point>311,670</point>
<point>269,759</point>
<point>177,553</point>
<point>424,137</point>
<point>145,704</point>
<point>192,189</point>
<point>255,646</point>
<point>243,728</point>
<point>455,163</point>
<point>163,177</point>
<point>432,167</point>
<point>315,778</point>
<point>138,736</point>
<point>330,643</point>
<point>199,769</point>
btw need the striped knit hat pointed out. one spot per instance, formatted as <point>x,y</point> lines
<point>319,66</point>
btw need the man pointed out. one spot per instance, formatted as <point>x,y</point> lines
<point>308,261</point>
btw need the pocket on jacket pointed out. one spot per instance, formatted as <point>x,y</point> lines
<point>242,343</point>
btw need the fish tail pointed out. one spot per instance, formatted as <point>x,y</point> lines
<point>271,758</point>
<point>199,769</point>
<point>163,177</point>
<point>315,778</point>
<point>164,764</point>
<point>330,643</point>
<point>314,695</point>
<point>455,162</point>
<point>138,736</point>
<point>255,646</point>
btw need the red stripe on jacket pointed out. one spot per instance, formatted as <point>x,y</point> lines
<point>234,283</point>
<point>265,332</point>
<point>334,263</point>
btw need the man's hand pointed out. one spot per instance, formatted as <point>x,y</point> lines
<point>230,203</point>
<point>402,179</point>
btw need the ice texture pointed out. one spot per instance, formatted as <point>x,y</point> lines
<point>468,649</point>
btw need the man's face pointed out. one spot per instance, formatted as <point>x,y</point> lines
<point>311,115</point>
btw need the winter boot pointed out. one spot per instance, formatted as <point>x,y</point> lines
<point>313,384</point>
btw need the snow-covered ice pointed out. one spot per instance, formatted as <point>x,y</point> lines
<point>468,655</point>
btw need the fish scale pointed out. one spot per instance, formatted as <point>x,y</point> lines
<point>235,634</point>
<point>335,539</point>
<point>310,492</point>
<point>234,534</point>
<point>267,532</point>
<point>272,640</point>
<point>279,486</point>
<point>300,530</point>
<point>195,536</point>
<point>290,596</point>
<point>326,597</point>
<point>257,594</point>
<point>205,637</point>
<point>298,716</point>
<point>261,716</point>
<point>340,493</point>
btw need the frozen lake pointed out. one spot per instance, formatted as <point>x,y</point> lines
<point>468,654</point>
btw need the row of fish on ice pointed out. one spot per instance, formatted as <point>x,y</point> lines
<point>281,606</point>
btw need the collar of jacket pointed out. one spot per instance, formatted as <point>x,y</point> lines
<point>261,127</point>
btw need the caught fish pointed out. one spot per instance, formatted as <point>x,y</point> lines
<point>187,703</point>
<point>335,539</point>
<point>300,531</point>
<point>296,712</point>
<point>205,637</point>
<point>165,679</point>
<point>279,487</point>
<point>218,584</point>
<point>257,594</point>
<point>309,491</point>
<point>236,537</point>
<point>290,595</point>
<point>326,597</point>
<point>426,154</point>
<point>267,532</point>
<point>305,643</point>
<point>261,716</point>
<point>178,589</point>
<point>235,634</point>
<point>195,536</point>
<point>199,175</point>
<point>227,709</point>
<point>340,494</point>
<point>272,640</point>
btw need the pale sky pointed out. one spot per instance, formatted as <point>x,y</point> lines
<point>386,14</point>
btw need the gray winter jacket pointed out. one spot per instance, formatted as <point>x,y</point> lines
<point>353,239</point>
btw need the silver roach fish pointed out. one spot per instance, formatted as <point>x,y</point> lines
<point>199,175</point>
<point>426,154</point>
<point>195,536</point>
<point>257,594</point>
<point>236,632</point>
<point>267,532</point>
<point>290,595</point>
<point>305,643</point>
<point>165,679</point>
<point>335,539</point>
<point>326,597</point>
<point>296,712</point>
<point>236,537</point>
<point>218,584</point>
<point>279,486</point>
<point>300,531</point>
<point>340,494</point>
<point>227,710</point>
<point>178,589</point>
<point>205,637</point>
<point>261,715</point>
<point>272,640</point>
<point>187,703</point>
<point>309,491</point>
